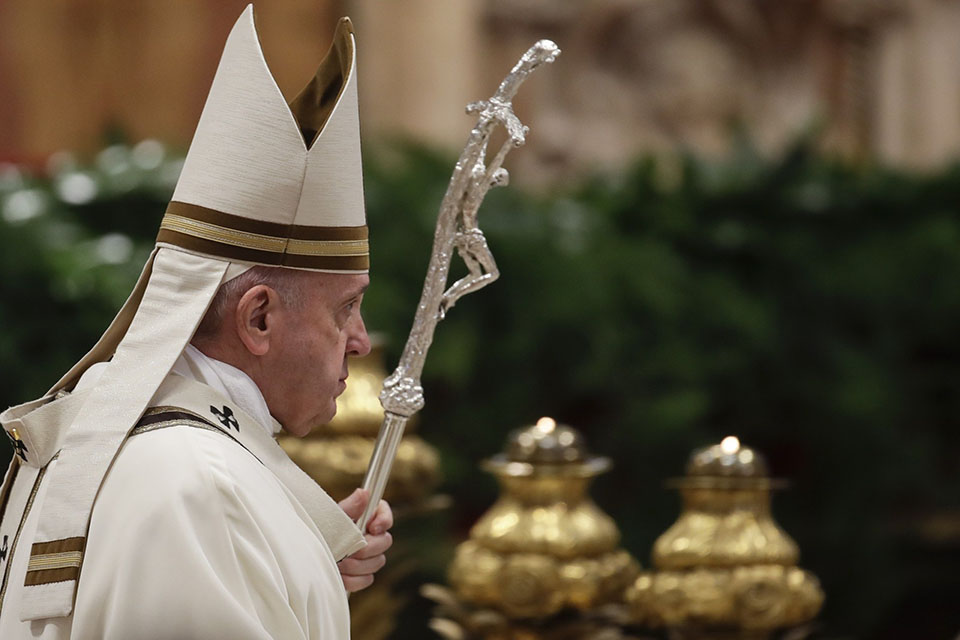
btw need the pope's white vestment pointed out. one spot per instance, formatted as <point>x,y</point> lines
<point>148,498</point>
<point>192,536</point>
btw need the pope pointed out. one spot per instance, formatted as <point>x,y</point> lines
<point>148,497</point>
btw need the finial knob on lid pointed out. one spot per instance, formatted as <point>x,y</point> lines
<point>729,458</point>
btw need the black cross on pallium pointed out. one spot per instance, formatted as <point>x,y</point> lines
<point>3,551</point>
<point>226,417</point>
<point>20,448</point>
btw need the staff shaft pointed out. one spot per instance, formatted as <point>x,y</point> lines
<point>456,230</point>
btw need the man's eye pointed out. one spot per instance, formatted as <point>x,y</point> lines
<point>347,310</point>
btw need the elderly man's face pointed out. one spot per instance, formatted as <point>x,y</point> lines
<point>308,367</point>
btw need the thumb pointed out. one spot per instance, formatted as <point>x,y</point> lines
<point>354,504</point>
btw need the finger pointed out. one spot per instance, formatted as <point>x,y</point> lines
<point>382,519</point>
<point>357,567</point>
<point>356,583</point>
<point>354,504</point>
<point>376,545</point>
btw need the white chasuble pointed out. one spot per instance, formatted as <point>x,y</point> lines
<point>202,528</point>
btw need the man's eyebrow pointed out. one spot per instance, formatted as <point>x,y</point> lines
<point>357,292</point>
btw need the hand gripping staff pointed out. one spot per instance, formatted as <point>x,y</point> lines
<point>402,395</point>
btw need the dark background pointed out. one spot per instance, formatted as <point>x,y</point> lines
<point>806,305</point>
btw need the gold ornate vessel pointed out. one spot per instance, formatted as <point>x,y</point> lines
<point>544,546</point>
<point>725,569</point>
<point>336,455</point>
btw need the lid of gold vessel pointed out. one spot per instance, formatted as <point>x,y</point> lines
<point>546,448</point>
<point>728,465</point>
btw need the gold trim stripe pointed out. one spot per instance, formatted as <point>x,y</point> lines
<point>328,247</point>
<point>339,264</point>
<point>264,227</point>
<point>260,242</point>
<point>58,546</point>
<point>222,234</point>
<point>49,576</point>
<point>62,560</point>
<point>216,233</point>
<point>43,575</point>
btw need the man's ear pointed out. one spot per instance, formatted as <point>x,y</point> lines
<point>256,318</point>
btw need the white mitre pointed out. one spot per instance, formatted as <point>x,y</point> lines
<point>264,182</point>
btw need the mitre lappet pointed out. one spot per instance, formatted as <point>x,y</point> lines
<point>264,183</point>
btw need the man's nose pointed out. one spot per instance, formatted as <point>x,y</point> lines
<point>359,342</point>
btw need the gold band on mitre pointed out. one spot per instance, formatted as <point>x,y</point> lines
<point>234,237</point>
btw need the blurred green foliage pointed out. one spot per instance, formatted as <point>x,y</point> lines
<point>806,305</point>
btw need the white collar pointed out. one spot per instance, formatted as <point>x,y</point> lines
<point>224,378</point>
<point>227,380</point>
